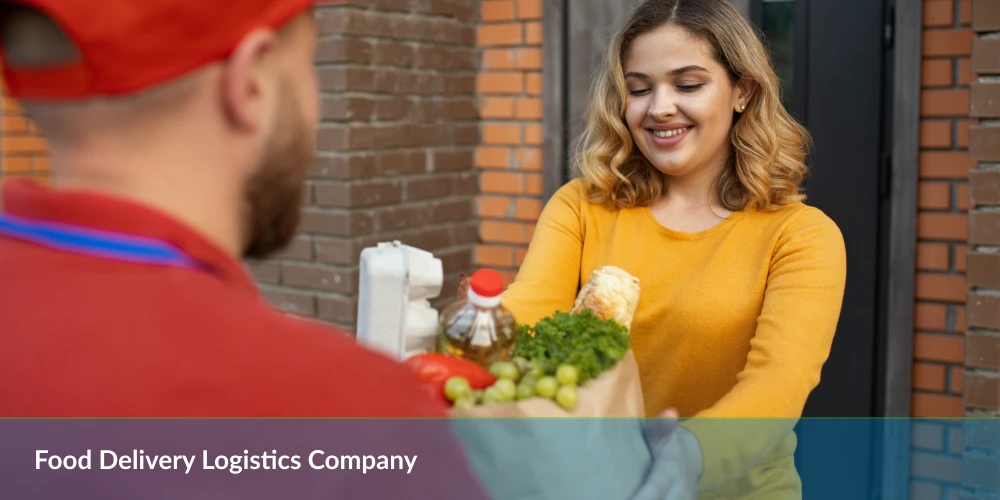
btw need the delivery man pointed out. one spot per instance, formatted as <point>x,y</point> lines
<point>180,132</point>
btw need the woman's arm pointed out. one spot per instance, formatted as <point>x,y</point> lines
<point>549,277</point>
<point>795,329</point>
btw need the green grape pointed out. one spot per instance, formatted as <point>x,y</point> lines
<point>567,396</point>
<point>567,375</point>
<point>466,402</point>
<point>492,396</point>
<point>456,387</point>
<point>506,388</point>
<point>525,391</point>
<point>546,387</point>
<point>505,370</point>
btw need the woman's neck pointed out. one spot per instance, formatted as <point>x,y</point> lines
<point>698,189</point>
<point>691,203</point>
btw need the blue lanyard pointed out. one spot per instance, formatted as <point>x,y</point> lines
<point>95,242</point>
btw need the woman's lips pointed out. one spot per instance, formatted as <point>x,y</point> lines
<point>668,138</point>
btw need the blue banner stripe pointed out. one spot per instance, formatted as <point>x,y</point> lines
<point>94,242</point>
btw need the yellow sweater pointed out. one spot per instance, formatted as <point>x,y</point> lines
<point>733,321</point>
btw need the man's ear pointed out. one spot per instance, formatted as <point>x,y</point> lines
<point>243,80</point>
<point>745,89</point>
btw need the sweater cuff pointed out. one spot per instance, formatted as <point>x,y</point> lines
<point>732,447</point>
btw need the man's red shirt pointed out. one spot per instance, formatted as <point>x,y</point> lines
<point>83,336</point>
<point>86,336</point>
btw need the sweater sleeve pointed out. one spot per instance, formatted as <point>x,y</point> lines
<point>549,277</point>
<point>795,330</point>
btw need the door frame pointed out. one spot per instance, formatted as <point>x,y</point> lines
<point>896,363</point>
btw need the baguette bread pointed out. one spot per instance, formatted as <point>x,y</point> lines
<point>611,293</point>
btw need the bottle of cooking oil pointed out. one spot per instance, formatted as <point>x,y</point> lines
<point>479,328</point>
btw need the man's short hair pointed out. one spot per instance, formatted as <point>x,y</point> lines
<point>29,38</point>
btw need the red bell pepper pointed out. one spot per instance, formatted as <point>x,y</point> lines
<point>433,370</point>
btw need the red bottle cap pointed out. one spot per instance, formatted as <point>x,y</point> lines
<point>486,283</point>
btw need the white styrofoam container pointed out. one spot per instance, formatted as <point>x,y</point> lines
<point>394,313</point>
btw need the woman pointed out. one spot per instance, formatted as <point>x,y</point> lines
<point>690,180</point>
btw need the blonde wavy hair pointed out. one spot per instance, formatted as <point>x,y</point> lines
<point>769,148</point>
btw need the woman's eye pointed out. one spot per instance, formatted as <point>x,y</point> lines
<point>690,88</point>
<point>638,92</point>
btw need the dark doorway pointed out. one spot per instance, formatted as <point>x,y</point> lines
<point>831,57</point>
<point>834,58</point>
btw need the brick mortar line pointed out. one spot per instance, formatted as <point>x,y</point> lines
<point>409,71</point>
<point>325,294</point>
<point>427,201</point>
<point>402,121</point>
<point>376,209</point>
<point>380,207</point>
<point>933,393</point>
<point>955,27</point>
<point>333,124</point>
<point>985,372</point>
<point>982,331</point>
<point>947,333</point>
<point>390,235</point>
<point>373,209</point>
<point>420,175</point>
<point>427,71</point>
<point>377,12</point>
<point>950,211</point>
<point>333,93</point>
<point>396,233</point>
<point>351,64</point>
<point>367,94</point>
<point>379,150</point>
<point>935,362</point>
<point>334,154</point>
<point>955,85</point>
<point>347,35</point>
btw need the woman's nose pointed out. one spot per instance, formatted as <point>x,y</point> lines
<point>661,105</point>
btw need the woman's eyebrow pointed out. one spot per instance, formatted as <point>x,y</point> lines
<point>679,71</point>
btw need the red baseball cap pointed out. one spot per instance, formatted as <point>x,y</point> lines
<point>130,45</point>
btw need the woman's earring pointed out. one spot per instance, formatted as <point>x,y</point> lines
<point>743,107</point>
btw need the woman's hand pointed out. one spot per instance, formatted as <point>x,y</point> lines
<point>677,461</point>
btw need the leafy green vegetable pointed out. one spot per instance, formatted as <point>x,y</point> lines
<point>582,339</point>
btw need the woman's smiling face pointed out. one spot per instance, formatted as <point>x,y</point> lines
<point>680,102</point>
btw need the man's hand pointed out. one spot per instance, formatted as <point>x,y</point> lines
<point>677,461</point>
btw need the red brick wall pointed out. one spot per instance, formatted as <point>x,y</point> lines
<point>943,202</point>
<point>939,341</point>
<point>982,353</point>
<point>395,151</point>
<point>510,157</point>
<point>22,150</point>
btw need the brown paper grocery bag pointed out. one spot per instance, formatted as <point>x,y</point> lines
<point>536,450</point>
<point>615,393</point>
